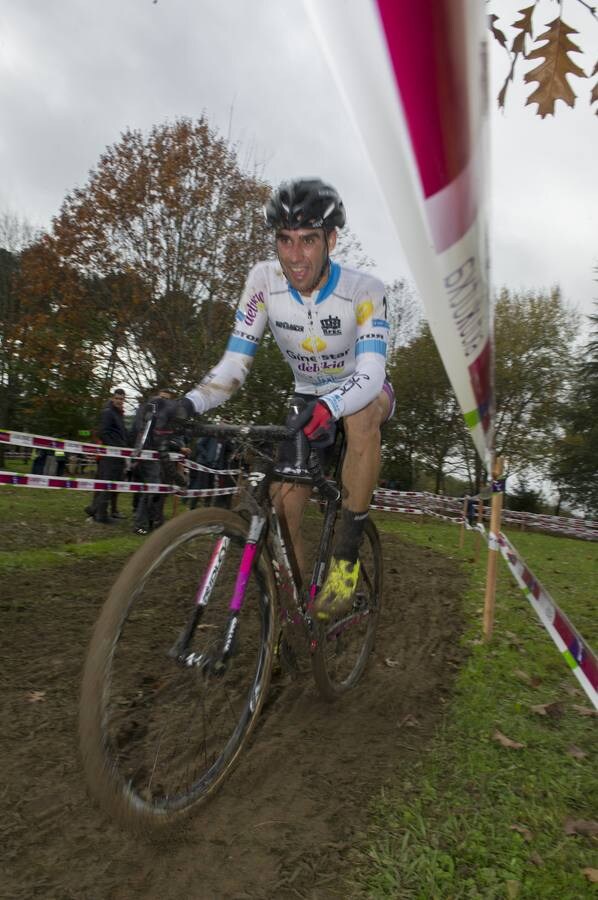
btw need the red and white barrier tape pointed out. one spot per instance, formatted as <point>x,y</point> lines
<point>43,442</point>
<point>93,484</point>
<point>577,653</point>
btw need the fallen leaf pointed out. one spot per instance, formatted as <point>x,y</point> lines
<point>555,709</point>
<point>585,710</point>
<point>514,638</point>
<point>591,874</point>
<point>532,680</point>
<point>576,752</point>
<point>513,888</point>
<point>586,827</point>
<point>535,859</point>
<point>504,741</point>
<point>35,696</point>
<point>392,663</point>
<point>523,830</point>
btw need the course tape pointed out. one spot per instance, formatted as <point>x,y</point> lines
<point>121,487</point>
<point>577,653</point>
<point>44,442</point>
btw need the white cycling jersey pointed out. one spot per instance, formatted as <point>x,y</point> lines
<point>334,341</point>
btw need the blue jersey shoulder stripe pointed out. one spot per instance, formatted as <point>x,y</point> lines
<point>295,295</point>
<point>238,345</point>
<point>240,316</point>
<point>372,346</point>
<point>333,279</point>
<point>380,323</point>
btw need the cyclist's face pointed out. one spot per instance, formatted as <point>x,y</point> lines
<point>302,254</point>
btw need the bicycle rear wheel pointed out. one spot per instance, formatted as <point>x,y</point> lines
<point>345,643</point>
<point>161,726</point>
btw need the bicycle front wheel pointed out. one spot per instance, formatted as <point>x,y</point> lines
<point>162,718</point>
<point>345,643</point>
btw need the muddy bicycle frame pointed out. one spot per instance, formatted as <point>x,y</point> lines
<point>257,500</point>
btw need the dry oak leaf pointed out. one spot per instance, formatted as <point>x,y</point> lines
<point>524,26</point>
<point>555,709</point>
<point>498,34</point>
<point>591,874</point>
<point>523,830</point>
<point>587,827</point>
<point>576,752</point>
<point>585,710</point>
<point>35,696</point>
<point>551,74</point>
<point>533,681</point>
<point>504,741</point>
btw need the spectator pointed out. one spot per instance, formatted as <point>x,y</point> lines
<point>113,433</point>
<point>205,455</point>
<point>39,462</point>
<point>50,464</point>
<point>149,511</point>
<point>60,462</point>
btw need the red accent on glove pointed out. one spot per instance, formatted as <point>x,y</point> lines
<point>319,423</point>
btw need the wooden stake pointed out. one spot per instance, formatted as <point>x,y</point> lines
<point>478,535</point>
<point>498,489</point>
<point>462,535</point>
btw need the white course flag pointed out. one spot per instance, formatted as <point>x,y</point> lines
<point>413,75</point>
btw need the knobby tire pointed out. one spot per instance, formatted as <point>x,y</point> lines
<point>158,738</point>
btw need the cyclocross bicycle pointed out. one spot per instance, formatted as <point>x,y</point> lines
<point>181,656</point>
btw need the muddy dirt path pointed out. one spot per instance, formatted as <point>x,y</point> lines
<point>285,824</point>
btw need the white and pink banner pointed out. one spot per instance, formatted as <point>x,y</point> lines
<point>413,76</point>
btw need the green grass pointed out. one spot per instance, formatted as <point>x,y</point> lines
<point>445,829</point>
<point>36,559</point>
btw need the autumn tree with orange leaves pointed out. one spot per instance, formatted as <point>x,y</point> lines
<point>162,237</point>
<point>549,45</point>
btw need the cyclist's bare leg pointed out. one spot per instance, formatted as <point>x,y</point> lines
<point>360,474</point>
<point>362,460</point>
<point>289,503</point>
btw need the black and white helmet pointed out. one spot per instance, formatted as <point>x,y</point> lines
<point>305,203</point>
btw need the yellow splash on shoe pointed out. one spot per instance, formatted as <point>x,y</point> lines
<point>337,591</point>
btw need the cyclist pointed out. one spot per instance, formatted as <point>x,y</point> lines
<point>331,326</point>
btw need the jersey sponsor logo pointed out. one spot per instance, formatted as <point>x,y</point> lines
<point>380,323</point>
<point>246,336</point>
<point>256,302</point>
<point>364,312</point>
<point>371,335</point>
<point>301,358</point>
<point>331,368</point>
<point>331,325</point>
<point>315,344</point>
<point>289,326</point>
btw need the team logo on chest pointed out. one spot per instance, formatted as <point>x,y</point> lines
<point>364,312</point>
<point>331,325</point>
<point>314,344</point>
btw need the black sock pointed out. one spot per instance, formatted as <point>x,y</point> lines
<point>349,534</point>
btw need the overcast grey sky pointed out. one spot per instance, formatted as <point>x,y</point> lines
<point>75,73</point>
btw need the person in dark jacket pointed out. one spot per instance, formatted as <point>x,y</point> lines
<point>112,432</point>
<point>149,511</point>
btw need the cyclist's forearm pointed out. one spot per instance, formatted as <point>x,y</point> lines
<point>221,382</point>
<point>359,389</point>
